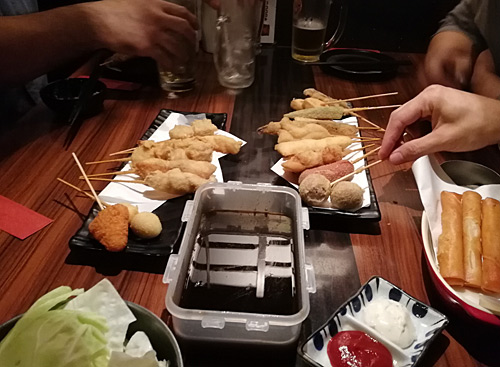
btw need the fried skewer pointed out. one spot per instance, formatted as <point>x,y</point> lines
<point>356,171</point>
<point>88,182</point>
<point>332,112</point>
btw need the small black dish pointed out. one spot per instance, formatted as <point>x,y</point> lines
<point>359,64</point>
<point>62,95</point>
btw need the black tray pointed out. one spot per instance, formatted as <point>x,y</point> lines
<point>169,212</point>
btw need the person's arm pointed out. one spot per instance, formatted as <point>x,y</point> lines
<point>449,60</point>
<point>461,122</point>
<point>34,44</point>
<point>485,80</point>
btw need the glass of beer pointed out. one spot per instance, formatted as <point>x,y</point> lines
<point>310,20</point>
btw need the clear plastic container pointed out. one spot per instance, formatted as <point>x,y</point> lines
<point>240,276</point>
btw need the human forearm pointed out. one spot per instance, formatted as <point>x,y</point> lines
<point>34,44</point>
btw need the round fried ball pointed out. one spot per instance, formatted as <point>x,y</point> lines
<point>132,210</point>
<point>146,225</point>
<point>346,195</point>
<point>314,189</point>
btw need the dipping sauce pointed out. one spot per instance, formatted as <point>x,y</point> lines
<point>392,320</point>
<point>357,349</point>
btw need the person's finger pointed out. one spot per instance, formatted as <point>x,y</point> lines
<point>181,12</point>
<point>181,27</point>
<point>415,149</point>
<point>175,46</point>
<point>412,111</point>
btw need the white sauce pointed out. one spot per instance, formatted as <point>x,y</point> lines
<point>391,320</point>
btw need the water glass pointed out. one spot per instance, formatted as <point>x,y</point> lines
<point>237,31</point>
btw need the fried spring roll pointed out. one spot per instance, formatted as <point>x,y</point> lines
<point>491,245</point>
<point>450,245</point>
<point>471,214</point>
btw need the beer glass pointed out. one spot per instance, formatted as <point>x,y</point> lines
<point>310,20</point>
<point>180,78</point>
<point>237,31</point>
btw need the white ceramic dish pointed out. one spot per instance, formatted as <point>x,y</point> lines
<point>427,321</point>
<point>467,298</point>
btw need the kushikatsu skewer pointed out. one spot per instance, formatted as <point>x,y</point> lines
<point>367,121</point>
<point>88,182</point>
<point>361,169</point>
<point>332,112</point>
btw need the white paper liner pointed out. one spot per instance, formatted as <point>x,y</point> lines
<point>143,196</point>
<point>431,180</point>
<point>361,178</point>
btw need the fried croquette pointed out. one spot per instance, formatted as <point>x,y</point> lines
<point>346,195</point>
<point>132,210</point>
<point>110,227</point>
<point>315,189</point>
<point>146,225</point>
<point>174,181</point>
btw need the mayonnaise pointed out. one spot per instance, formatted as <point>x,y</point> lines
<point>391,320</point>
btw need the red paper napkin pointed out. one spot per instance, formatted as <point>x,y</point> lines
<point>20,221</point>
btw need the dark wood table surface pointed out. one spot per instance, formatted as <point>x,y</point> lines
<point>344,254</point>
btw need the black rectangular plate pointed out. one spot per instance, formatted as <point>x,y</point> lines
<point>169,212</point>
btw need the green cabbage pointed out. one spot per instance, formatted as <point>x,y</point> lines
<point>49,336</point>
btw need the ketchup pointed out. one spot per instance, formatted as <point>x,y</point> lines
<point>357,349</point>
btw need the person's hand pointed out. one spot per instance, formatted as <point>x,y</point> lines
<point>153,28</point>
<point>485,80</point>
<point>213,3</point>
<point>449,60</point>
<point>461,122</point>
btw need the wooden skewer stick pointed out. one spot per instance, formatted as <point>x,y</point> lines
<point>80,190</point>
<point>366,120</point>
<point>111,180</point>
<point>366,155</point>
<point>109,174</point>
<point>88,182</point>
<point>355,172</point>
<point>359,149</point>
<point>123,151</point>
<point>367,128</point>
<point>366,139</point>
<point>364,97</point>
<point>356,109</point>
<point>110,160</point>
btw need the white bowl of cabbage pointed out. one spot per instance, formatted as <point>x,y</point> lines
<point>94,328</point>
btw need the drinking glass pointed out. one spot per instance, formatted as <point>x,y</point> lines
<point>310,20</point>
<point>181,77</point>
<point>237,31</point>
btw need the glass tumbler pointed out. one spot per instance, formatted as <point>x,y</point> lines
<point>237,32</point>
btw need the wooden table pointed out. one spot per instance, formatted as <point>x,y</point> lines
<point>344,256</point>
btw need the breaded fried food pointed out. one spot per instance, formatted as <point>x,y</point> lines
<point>174,181</point>
<point>200,168</point>
<point>144,150</point>
<point>297,104</point>
<point>146,225</point>
<point>315,189</point>
<point>311,92</point>
<point>346,195</point>
<point>332,171</point>
<point>290,148</point>
<point>203,127</point>
<point>271,128</point>
<point>312,103</point>
<point>197,150</point>
<point>222,144</point>
<point>181,132</point>
<point>333,127</point>
<point>110,227</point>
<point>321,113</point>
<point>295,132</point>
<point>313,158</point>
